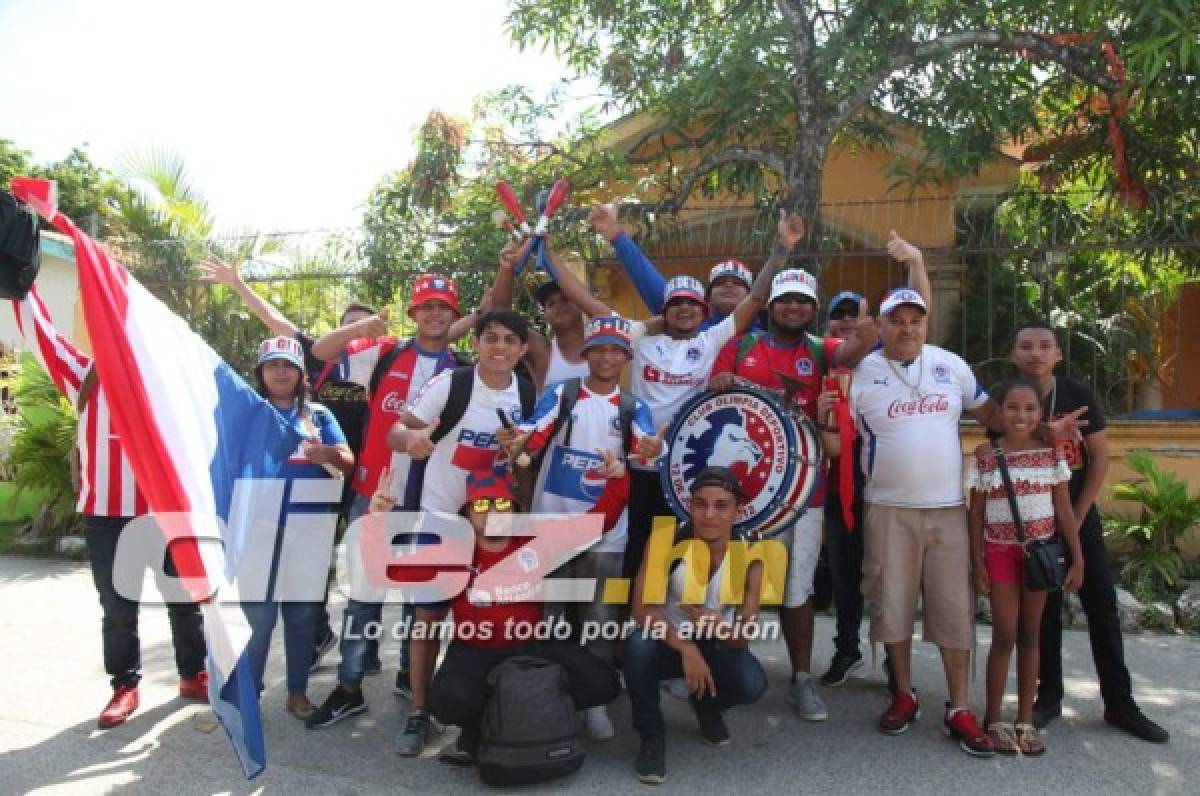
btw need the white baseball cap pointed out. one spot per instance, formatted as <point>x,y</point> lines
<point>794,280</point>
<point>899,297</point>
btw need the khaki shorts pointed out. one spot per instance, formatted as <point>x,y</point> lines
<point>911,552</point>
<point>803,541</point>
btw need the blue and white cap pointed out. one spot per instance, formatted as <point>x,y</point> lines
<point>281,348</point>
<point>794,280</point>
<point>607,330</point>
<point>735,268</point>
<point>684,287</point>
<point>899,297</point>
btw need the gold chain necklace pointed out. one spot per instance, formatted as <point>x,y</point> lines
<point>915,389</point>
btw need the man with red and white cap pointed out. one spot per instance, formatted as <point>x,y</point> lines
<point>393,371</point>
<point>908,398</point>
<point>790,360</point>
<point>670,367</point>
<point>575,425</point>
<point>729,281</point>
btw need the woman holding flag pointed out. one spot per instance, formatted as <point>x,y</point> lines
<point>280,378</point>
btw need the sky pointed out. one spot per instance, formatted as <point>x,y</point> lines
<point>286,113</point>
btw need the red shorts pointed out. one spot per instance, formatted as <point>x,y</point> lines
<point>1005,562</point>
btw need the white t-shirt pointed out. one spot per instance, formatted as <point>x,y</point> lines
<point>666,372</point>
<point>911,452</point>
<point>470,445</point>
<point>558,369</point>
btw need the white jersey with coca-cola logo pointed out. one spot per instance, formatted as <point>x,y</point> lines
<point>908,418</point>
<point>666,372</point>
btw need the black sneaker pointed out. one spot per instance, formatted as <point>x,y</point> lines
<point>1134,722</point>
<point>840,669</point>
<point>323,645</point>
<point>340,704</point>
<point>1045,712</point>
<point>712,724</point>
<point>402,688</point>
<point>411,740</point>
<point>651,765</point>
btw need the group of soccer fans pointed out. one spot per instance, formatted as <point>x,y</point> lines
<point>542,424</point>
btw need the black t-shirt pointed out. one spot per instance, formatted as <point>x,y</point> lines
<point>1067,396</point>
<point>346,399</point>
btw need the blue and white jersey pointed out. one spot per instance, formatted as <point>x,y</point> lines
<point>572,478</point>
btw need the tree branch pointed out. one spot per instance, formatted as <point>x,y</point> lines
<point>733,154</point>
<point>1081,61</point>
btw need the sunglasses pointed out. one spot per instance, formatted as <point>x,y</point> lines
<point>483,505</point>
<point>843,313</point>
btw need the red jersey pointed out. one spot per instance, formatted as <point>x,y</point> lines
<point>408,373</point>
<point>481,623</point>
<point>766,363</point>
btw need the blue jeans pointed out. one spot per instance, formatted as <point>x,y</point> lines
<point>738,675</point>
<point>359,653</point>
<point>298,631</point>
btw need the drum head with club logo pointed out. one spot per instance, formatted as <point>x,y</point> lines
<point>774,453</point>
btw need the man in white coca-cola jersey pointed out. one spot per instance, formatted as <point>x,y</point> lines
<point>907,399</point>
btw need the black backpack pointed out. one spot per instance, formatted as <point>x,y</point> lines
<point>530,730</point>
<point>20,248</point>
<point>462,382</point>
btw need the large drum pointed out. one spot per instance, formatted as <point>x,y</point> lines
<point>773,451</point>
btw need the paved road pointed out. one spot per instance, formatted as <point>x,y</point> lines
<point>52,685</point>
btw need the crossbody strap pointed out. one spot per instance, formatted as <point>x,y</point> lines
<point>1002,463</point>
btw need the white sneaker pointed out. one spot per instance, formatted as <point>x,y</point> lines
<point>676,687</point>
<point>802,694</point>
<point>599,726</point>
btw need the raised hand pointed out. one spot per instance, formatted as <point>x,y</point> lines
<point>900,249</point>
<point>866,330</point>
<point>650,448</point>
<point>1066,427</point>
<point>382,500</point>
<point>512,440</point>
<point>614,466</point>
<point>419,445</point>
<point>603,219</point>
<point>374,325</point>
<point>790,229</point>
<point>512,253</point>
<point>219,271</point>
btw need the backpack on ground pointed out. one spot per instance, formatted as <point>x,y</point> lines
<point>530,729</point>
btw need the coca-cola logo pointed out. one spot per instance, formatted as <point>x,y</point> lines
<point>925,405</point>
<point>392,403</point>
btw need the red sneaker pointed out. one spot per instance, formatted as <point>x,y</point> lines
<point>963,727</point>
<point>900,715</point>
<point>124,701</point>
<point>194,687</point>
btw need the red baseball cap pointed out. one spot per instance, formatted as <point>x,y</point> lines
<point>429,287</point>
<point>488,484</point>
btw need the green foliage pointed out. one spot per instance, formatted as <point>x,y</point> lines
<point>788,77</point>
<point>436,214</point>
<point>1166,513</point>
<point>41,449</point>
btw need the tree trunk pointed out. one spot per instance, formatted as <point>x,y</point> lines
<point>805,170</point>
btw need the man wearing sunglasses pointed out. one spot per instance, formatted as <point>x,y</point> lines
<point>459,690</point>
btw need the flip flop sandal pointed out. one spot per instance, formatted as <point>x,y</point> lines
<point>1029,740</point>
<point>1003,738</point>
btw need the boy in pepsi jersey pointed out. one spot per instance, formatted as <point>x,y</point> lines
<point>572,476</point>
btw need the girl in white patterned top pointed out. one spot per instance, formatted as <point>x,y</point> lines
<point>1039,476</point>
